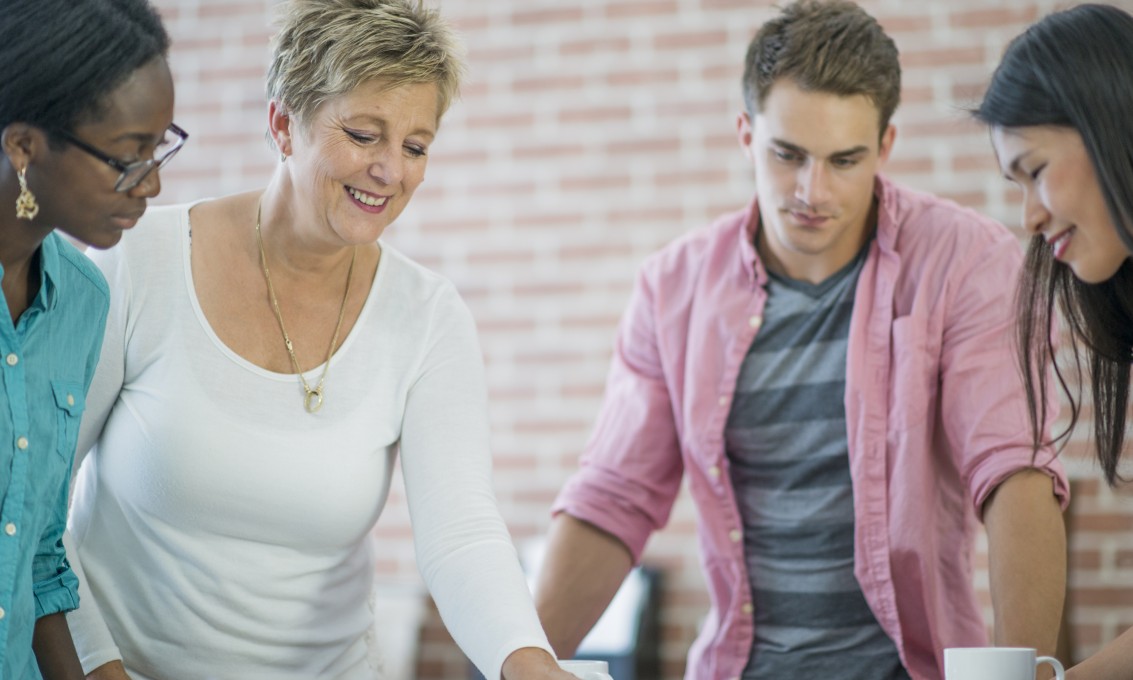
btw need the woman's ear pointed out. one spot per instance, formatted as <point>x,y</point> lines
<point>21,143</point>
<point>280,127</point>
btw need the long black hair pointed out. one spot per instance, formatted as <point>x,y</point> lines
<point>1075,69</point>
<point>61,58</point>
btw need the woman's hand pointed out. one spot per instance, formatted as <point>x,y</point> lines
<point>532,663</point>
<point>113,670</point>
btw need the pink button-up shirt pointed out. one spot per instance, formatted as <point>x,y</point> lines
<point>935,417</point>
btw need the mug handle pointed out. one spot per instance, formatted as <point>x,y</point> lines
<point>1059,672</point>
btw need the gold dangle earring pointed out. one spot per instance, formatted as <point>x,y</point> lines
<point>26,207</point>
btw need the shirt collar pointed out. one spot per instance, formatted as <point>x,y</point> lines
<point>749,258</point>
<point>887,222</point>
<point>48,296</point>
<point>49,272</point>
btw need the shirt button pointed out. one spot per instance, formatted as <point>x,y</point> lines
<point>735,535</point>
<point>10,529</point>
<point>2,612</point>
<point>22,443</point>
<point>747,608</point>
<point>70,400</point>
<point>755,321</point>
<point>724,400</point>
<point>12,359</point>
<point>714,472</point>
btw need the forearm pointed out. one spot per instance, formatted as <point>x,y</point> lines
<point>582,571</point>
<point>1113,662</point>
<point>54,649</point>
<point>1027,553</point>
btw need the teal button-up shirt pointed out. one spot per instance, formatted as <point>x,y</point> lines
<point>47,360</point>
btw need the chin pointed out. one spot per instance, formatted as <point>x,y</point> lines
<point>100,241</point>
<point>363,234</point>
<point>1092,273</point>
<point>109,242</point>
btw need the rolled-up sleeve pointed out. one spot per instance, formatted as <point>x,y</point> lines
<point>631,469</point>
<point>55,586</point>
<point>981,384</point>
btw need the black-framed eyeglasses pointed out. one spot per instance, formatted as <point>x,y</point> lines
<point>133,174</point>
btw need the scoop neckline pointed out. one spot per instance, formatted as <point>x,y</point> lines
<point>185,242</point>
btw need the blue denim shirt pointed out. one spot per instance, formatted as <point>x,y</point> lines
<point>47,360</point>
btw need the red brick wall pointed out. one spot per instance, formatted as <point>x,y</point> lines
<point>589,134</point>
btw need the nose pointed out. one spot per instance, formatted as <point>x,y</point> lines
<point>1035,214</point>
<point>813,185</point>
<point>149,187</point>
<point>389,167</point>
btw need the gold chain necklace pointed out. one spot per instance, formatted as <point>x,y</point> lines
<point>313,399</point>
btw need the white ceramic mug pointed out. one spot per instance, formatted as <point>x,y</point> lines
<point>995,663</point>
<point>587,670</point>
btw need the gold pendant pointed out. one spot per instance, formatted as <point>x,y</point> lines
<point>314,400</point>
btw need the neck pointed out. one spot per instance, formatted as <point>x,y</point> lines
<point>19,242</point>
<point>19,239</point>
<point>294,239</point>
<point>20,283</point>
<point>812,268</point>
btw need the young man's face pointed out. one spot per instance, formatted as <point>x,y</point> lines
<point>816,156</point>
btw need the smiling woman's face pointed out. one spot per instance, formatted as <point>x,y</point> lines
<point>362,155</point>
<point>1062,198</point>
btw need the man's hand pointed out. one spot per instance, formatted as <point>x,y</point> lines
<point>532,663</point>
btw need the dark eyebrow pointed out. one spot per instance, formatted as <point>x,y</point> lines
<point>855,151</point>
<point>794,148</point>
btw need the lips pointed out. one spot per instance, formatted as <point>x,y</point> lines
<point>809,219</point>
<point>128,220</point>
<point>1060,242</point>
<point>366,199</point>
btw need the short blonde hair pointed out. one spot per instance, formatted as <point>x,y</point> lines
<point>326,48</point>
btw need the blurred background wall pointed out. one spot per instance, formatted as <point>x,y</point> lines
<point>589,134</point>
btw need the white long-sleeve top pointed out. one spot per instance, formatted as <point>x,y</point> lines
<point>222,531</point>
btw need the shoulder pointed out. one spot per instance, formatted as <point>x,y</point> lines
<point>947,251</point>
<point>707,249</point>
<point>159,225</point>
<point>80,301</point>
<point>412,279</point>
<point>925,222</point>
<point>77,270</point>
<point>414,292</point>
<point>420,316</point>
<point>148,245</point>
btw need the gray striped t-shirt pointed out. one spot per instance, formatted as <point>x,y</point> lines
<point>789,460</point>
